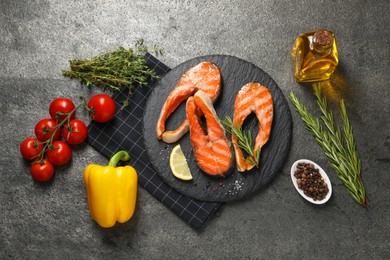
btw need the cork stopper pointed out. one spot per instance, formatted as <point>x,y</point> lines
<point>323,40</point>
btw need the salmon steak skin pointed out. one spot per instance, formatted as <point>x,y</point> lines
<point>252,98</point>
<point>204,76</point>
<point>212,149</point>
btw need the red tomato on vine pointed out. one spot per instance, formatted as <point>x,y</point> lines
<point>75,132</point>
<point>42,170</point>
<point>45,128</point>
<point>102,108</point>
<point>60,107</point>
<point>59,153</point>
<point>30,148</point>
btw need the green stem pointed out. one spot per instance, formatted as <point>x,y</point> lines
<point>119,156</point>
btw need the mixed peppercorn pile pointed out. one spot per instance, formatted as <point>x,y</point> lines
<point>310,181</point>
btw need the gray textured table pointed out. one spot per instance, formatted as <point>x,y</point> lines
<point>52,221</point>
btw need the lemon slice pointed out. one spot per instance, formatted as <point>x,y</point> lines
<point>178,164</point>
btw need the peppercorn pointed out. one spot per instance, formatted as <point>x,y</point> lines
<point>310,181</point>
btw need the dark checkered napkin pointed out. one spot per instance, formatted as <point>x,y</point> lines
<point>124,132</point>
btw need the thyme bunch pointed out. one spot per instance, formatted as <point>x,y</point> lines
<point>115,69</point>
<point>339,147</point>
<point>244,139</point>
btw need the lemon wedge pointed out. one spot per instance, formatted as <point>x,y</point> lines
<point>178,164</point>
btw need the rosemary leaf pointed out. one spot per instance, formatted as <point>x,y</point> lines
<point>350,141</point>
<point>244,140</point>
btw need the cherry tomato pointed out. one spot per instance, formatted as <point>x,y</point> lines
<point>45,128</point>
<point>30,148</point>
<point>42,171</point>
<point>59,107</point>
<point>75,132</point>
<point>102,108</point>
<point>59,154</point>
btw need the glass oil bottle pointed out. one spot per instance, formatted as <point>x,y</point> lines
<point>315,56</point>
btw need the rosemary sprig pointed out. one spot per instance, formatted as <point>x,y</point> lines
<point>115,69</point>
<point>342,153</point>
<point>244,139</point>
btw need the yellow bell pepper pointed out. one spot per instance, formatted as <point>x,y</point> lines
<point>111,191</point>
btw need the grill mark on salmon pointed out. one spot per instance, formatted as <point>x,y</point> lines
<point>206,77</point>
<point>256,98</point>
<point>213,152</point>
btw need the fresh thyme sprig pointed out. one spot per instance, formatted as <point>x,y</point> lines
<point>115,69</point>
<point>244,140</point>
<point>342,153</point>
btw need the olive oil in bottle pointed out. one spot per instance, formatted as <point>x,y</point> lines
<point>315,56</point>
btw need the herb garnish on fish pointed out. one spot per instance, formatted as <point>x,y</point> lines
<point>244,140</point>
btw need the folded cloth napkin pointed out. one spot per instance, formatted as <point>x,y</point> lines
<point>124,132</point>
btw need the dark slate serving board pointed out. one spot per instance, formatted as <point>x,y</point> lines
<point>235,74</point>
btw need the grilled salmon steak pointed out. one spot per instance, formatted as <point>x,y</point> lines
<point>206,77</point>
<point>213,152</point>
<point>256,98</point>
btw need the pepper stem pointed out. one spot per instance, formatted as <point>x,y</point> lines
<point>119,156</point>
